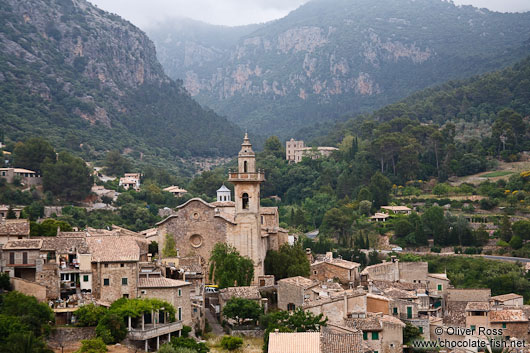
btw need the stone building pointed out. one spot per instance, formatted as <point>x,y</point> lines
<point>346,272</point>
<point>293,291</point>
<point>114,268</point>
<point>295,151</point>
<point>242,223</point>
<point>175,292</point>
<point>21,258</point>
<point>11,229</point>
<point>4,210</point>
<point>457,300</point>
<point>381,333</point>
<point>130,181</point>
<point>338,306</point>
<point>26,177</point>
<point>511,299</point>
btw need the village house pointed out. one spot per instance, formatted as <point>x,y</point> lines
<point>346,272</point>
<point>379,217</point>
<point>114,268</point>
<point>21,258</point>
<point>295,151</point>
<point>11,229</point>
<point>381,333</point>
<point>330,339</point>
<point>507,300</point>
<point>293,291</point>
<point>456,302</point>
<point>245,292</point>
<point>198,225</point>
<point>337,306</point>
<point>176,191</point>
<point>513,321</point>
<point>130,181</point>
<point>396,209</point>
<point>4,210</point>
<point>26,177</point>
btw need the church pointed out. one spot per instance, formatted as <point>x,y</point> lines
<point>243,223</point>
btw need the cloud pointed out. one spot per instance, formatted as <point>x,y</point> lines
<point>144,13</point>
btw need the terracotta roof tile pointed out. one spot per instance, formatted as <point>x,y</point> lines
<point>299,281</point>
<point>294,342</point>
<point>160,282</point>
<point>505,297</point>
<point>65,244</point>
<point>508,316</point>
<point>21,244</point>
<point>113,248</point>
<point>248,292</point>
<point>399,293</point>
<point>14,227</point>
<point>372,323</point>
<point>350,265</point>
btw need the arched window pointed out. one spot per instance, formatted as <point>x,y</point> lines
<point>245,201</point>
<point>245,167</point>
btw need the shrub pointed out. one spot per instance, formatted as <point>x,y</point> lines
<point>185,332</point>
<point>436,249</point>
<point>111,328</point>
<point>89,315</point>
<point>230,343</point>
<point>516,242</point>
<point>95,345</point>
<point>5,283</point>
<point>502,243</point>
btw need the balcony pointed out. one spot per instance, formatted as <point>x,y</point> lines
<point>258,176</point>
<point>152,331</point>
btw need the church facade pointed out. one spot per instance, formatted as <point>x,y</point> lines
<point>242,222</point>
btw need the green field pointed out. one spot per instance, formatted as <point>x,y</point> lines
<point>496,174</point>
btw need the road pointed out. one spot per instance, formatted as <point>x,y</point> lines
<point>506,258</point>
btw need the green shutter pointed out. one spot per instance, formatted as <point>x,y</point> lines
<point>395,311</point>
<point>85,278</point>
<point>375,335</point>
<point>439,287</point>
<point>409,312</point>
<point>124,281</point>
<point>365,335</point>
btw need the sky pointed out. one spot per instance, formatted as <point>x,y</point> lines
<point>144,13</point>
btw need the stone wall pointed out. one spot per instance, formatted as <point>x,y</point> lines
<point>114,271</point>
<point>289,293</point>
<point>377,305</point>
<point>49,277</point>
<point>392,341</point>
<point>62,336</point>
<point>387,271</point>
<point>468,295</point>
<point>323,271</point>
<point>413,272</point>
<point>29,288</point>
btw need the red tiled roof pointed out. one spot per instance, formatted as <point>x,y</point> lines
<point>160,282</point>
<point>113,248</point>
<point>14,227</point>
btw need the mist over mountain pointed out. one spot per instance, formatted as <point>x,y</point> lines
<point>331,58</point>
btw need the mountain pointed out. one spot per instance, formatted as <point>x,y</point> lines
<point>330,58</point>
<point>473,105</point>
<point>90,81</point>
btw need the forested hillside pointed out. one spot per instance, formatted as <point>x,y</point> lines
<point>331,58</point>
<point>90,82</point>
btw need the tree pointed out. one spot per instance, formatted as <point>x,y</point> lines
<point>170,247</point>
<point>89,315</point>
<point>380,188</point>
<point>410,333</point>
<point>11,213</point>
<point>364,207</point>
<point>436,225</point>
<point>241,309</point>
<point>516,242</point>
<point>231,342</point>
<point>67,178</point>
<point>5,283</point>
<point>522,229</point>
<point>153,247</point>
<point>274,146</point>
<point>402,227</point>
<point>337,222</point>
<point>32,153</point>
<point>111,328</point>
<point>373,258</point>
<point>34,211</point>
<point>364,194</point>
<point>505,229</point>
<point>228,268</point>
<point>288,261</point>
<point>116,164</point>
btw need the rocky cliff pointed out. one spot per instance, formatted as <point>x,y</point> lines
<point>90,81</point>
<point>334,57</point>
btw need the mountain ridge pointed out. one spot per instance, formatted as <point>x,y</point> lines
<point>331,58</point>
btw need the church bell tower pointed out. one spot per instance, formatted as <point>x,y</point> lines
<point>247,182</point>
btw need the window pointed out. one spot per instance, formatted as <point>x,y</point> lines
<point>126,295</point>
<point>503,325</point>
<point>122,265</point>
<point>85,278</point>
<point>473,327</point>
<point>261,219</point>
<point>106,265</point>
<point>245,167</point>
<point>245,201</point>
<point>394,311</point>
<point>180,313</point>
<point>375,336</point>
<point>290,306</point>
<point>180,292</point>
<point>315,272</point>
<point>439,287</point>
<point>409,312</point>
<point>421,330</point>
<point>106,281</point>
<point>124,281</point>
<point>25,258</point>
<point>365,335</point>
<point>12,258</point>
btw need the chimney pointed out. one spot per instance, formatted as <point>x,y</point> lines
<point>329,255</point>
<point>370,286</point>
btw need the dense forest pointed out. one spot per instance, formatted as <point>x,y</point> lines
<point>90,82</point>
